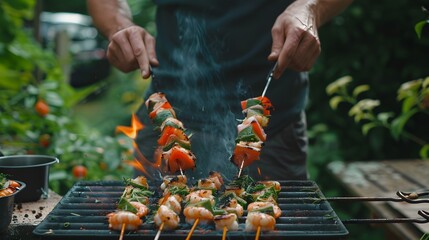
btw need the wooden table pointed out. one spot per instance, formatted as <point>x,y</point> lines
<point>384,179</point>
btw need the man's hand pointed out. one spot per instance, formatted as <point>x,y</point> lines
<point>132,48</point>
<point>296,42</point>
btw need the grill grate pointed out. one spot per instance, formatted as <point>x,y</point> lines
<point>82,213</point>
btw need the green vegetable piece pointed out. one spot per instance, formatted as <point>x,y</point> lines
<point>219,212</point>
<point>161,116</point>
<point>253,102</point>
<point>126,206</point>
<point>267,210</point>
<point>247,135</point>
<point>205,204</point>
<point>182,143</point>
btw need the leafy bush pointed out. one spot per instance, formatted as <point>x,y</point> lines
<point>36,106</point>
<point>414,96</point>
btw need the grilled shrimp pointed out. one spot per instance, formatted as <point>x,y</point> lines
<point>200,195</point>
<point>173,202</point>
<point>258,219</point>
<point>239,191</point>
<point>228,220</point>
<point>192,213</point>
<point>141,181</point>
<point>233,207</point>
<point>167,216</point>
<point>257,205</point>
<point>216,178</point>
<point>173,180</point>
<point>142,210</point>
<point>206,183</point>
<point>276,185</point>
<point>131,220</point>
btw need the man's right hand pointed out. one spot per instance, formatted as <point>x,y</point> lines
<point>132,48</point>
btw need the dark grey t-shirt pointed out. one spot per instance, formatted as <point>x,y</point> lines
<point>213,54</point>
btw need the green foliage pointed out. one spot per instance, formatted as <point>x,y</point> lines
<point>413,94</point>
<point>30,73</point>
<point>370,43</point>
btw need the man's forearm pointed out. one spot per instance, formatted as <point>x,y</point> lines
<point>110,16</point>
<point>319,11</point>
<point>325,10</point>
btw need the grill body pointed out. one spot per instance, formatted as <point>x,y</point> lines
<point>81,213</point>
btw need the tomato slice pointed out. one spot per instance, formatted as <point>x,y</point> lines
<point>168,131</point>
<point>162,105</point>
<point>246,154</point>
<point>258,130</point>
<point>180,158</point>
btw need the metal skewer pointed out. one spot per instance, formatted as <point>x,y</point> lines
<point>424,219</point>
<point>409,197</point>
<point>269,77</point>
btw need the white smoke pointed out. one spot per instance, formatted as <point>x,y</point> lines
<point>199,69</point>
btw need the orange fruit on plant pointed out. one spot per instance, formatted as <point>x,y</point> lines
<point>45,140</point>
<point>41,108</point>
<point>79,171</point>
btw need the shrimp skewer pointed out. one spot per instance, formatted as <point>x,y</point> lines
<point>132,206</point>
<point>264,210</point>
<point>200,201</point>
<point>167,216</point>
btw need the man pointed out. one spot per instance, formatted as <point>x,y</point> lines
<point>212,54</point>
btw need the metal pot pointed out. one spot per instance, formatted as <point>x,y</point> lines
<point>31,169</point>
<point>6,208</point>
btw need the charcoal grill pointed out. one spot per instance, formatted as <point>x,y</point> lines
<point>81,213</point>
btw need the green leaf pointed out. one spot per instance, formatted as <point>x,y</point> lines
<point>21,4</point>
<point>424,151</point>
<point>425,83</point>
<point>399,123</point>
<point>338,84</point>
<point>360,89</point>
<point>126,206</point>
<point>408,104</point>
<point>384,117</point>
<point>54,99</point>
<point>368,126</point>
<point>419,27</point>
<point>333,102</point>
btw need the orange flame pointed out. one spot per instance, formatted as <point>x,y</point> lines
<point>259,171</point>
<point>140,162</point>
<point>137,165</point>
<point>131,132</point>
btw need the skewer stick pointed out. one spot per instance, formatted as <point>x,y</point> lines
<point>121,236</point>
<point>192,229</point>
<point>225,229</point>
<point>258,233</point>
<point>181,171</point>
<point>241,168</point>
<point>159,231</point>
<point>269,77</point>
